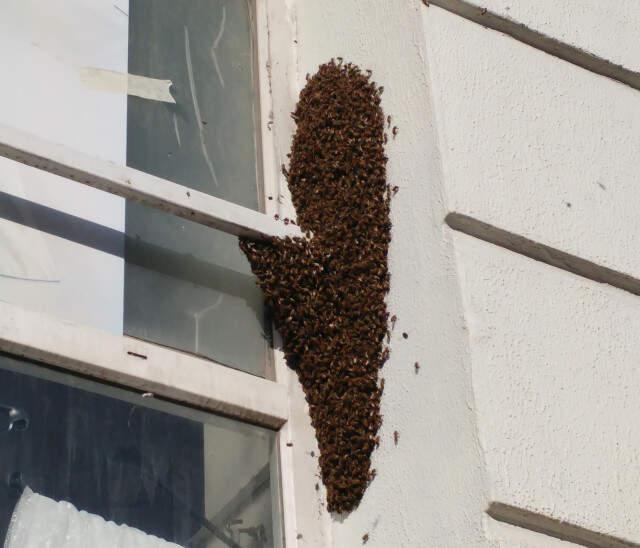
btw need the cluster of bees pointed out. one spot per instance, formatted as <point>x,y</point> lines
<point>327,290</point>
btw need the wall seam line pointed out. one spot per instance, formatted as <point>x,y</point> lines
<point>553,527</point>
<point>542,253</point>
<point>439,129</point>
<point>540,41</point>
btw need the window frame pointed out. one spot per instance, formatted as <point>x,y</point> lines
<point>142,366</point>
<point>153,369</point>
<point>132,184</point>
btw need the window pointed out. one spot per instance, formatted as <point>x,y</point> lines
<point>206,141</point>
<point>148,464</point>
<point>112,334</point>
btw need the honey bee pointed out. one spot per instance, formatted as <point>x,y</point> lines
<point>303,279</point>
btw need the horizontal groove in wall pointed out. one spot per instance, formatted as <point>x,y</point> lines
<point>541,252</point>
<point>538,40</point>
<point>555,528</point>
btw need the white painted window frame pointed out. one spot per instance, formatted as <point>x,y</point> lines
<point>147,367</point>
<point>196,206</point>
<point>142,366</point>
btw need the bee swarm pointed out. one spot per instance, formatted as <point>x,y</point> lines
<point>327,292</point>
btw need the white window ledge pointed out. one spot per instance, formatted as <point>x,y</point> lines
<point>142,366</point>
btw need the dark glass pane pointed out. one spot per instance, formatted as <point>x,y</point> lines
<point>183,476</point>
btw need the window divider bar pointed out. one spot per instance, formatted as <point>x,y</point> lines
<point>142,366</point>
<point>138,186</point>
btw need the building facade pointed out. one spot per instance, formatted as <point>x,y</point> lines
<point>141,379</point>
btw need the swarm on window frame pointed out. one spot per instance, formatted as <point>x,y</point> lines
<point>327,292</point>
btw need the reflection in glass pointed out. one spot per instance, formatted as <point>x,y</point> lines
<point>187,286</point>
<point>183,476</point>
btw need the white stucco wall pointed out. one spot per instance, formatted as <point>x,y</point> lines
<point>556,384</point>
<point>536,145</point>
<point>430,489</point>
<point>546,150</point>
<point>503,535</point>
<point>605,29</point>
<point>497,130</point>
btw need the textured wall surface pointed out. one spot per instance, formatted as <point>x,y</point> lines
<point>514,137</point>
<point>547,150</point>
<point>605,29</point>
<point>556,382</point>
<point>536,145</point>
<point>503,535</point>
<point>430,489</point>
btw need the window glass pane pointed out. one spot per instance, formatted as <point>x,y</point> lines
<point>76,454</point>
<point>62,249</point>
<point>187,286</point>
<point>207,139</point>
<point>48,45</point>
<point>191,288</point>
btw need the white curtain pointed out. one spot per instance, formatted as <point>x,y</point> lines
<point>40,522</point>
